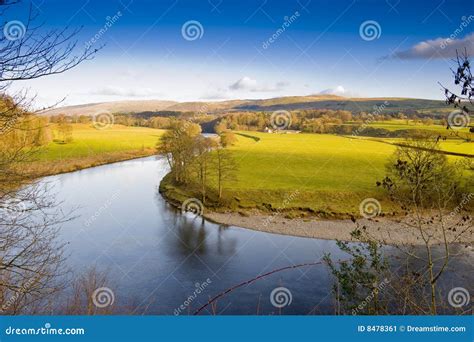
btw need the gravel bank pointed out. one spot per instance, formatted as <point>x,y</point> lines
<point>382,229</point>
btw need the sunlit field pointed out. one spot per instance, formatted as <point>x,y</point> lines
<point>332,173</point>
<point>91,146</point>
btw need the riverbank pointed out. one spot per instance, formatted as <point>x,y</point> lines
<point>50,168</point>
<point>389,230</point>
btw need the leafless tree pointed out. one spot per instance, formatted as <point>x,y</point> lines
<point>86,294</point>
<point>462,100</point>
<point>30,253</point>
<point>202,162</point>
<point>226,168</point>
<point>429,190</point>
<point>435,214</point>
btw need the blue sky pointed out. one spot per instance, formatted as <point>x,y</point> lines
<point>317,46</point>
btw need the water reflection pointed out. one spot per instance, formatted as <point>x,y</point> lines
<point>155,255</point>
<point>191,236</point>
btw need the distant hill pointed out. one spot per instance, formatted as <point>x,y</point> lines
<point>114,107</point>
<point>343,103</point>
<point>279,103</point>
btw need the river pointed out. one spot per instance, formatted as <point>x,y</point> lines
<point>156,258</point>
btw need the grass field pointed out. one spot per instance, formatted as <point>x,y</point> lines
<point>325,174</point>
<point>91,147</point>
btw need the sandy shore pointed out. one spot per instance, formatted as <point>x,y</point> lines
<point>382,229</point>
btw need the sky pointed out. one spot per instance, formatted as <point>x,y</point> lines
<point>204,50</point>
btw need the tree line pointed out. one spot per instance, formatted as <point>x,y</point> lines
<point>199,162</point>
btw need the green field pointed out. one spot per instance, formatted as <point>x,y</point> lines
<point>327,174</point>
<point>402,125</point>
<point>331,174</point>
<point>91,147</point>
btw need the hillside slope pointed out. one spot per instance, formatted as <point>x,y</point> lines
<point>279,103</point>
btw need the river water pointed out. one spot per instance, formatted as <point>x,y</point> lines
<point>159,261</point>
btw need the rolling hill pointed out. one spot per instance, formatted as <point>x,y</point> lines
<point>279,103</point>
<point>114,107</point>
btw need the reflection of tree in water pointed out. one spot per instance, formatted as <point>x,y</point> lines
<point>192,234</point>
<point>220,242</point>
<point>458,273</point>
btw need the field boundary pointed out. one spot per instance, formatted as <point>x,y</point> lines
<point>257,139</point>
<point>457,154</point>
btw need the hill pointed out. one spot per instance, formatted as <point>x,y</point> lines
<point>279,103</point>
<point>114,107</point>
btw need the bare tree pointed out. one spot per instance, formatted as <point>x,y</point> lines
<point>461,100</point>
<point>202,162</point>
<point>65,130</point>
<point>30,253</point>
<point>428,188</point>
<point>434,211</point>
<point>87,292</point>
<point>226,168</point>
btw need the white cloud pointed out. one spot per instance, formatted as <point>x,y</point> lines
<point>245,83</point>
<point>248,84</point>
<point>127,92</point>
<point>339,90</point>
<point>438,48</point>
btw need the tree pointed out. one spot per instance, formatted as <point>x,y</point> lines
<point>227,138</point>
<point>42,133</point>
<point>202,161</point>
<point>226,168</point>
<point>65,130</point>
<point>360,278</point>
<point>434,208</point>
<point>464,80</point>
<point>30,254</point>
<point>221,126</point>
<point>178,145</point>
<point>427,187</point>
